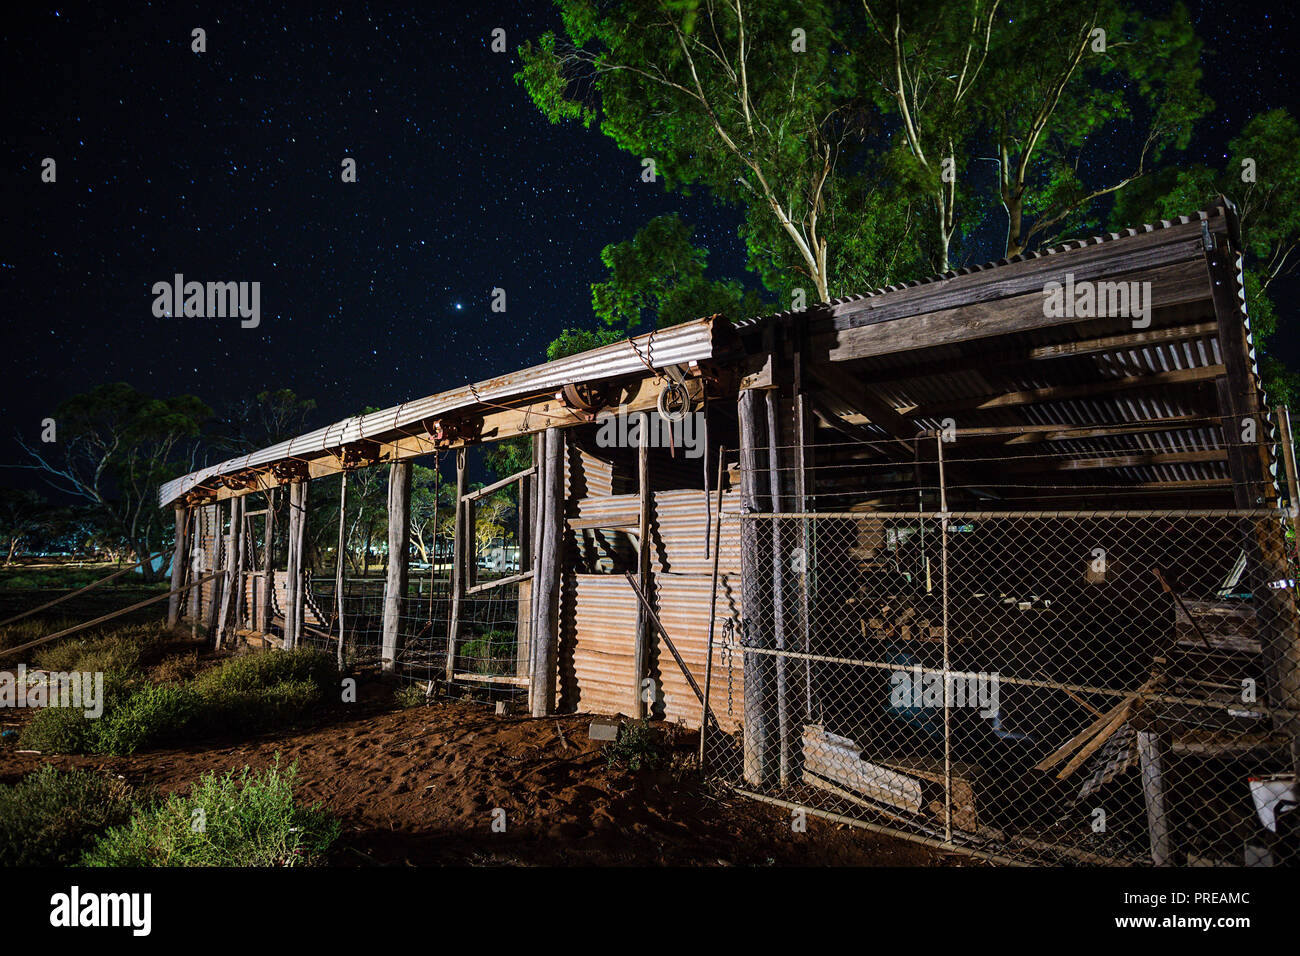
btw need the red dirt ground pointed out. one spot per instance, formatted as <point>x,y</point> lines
<point>418,786</point>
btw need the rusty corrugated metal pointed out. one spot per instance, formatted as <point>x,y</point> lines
<point>680,344</point>
<point>600,614</point>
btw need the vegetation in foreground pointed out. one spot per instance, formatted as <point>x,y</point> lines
<point>235,819</point>
<point>78,817</point>
<point>247,693</point>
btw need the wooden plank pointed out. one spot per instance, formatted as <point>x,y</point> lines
<point>837,759</point>
<point>1172,285</point>
<point>1056,393</point>
<point>268,564</point>
<point>1103,261</point>
<point>339,562</point>
<point>755,601</point>
<point>1132,340</point>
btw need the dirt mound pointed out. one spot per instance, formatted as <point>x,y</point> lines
<point>420,786</point>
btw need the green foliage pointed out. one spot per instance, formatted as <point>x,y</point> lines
<point>50,816</point>
<point>491,653</point>
<point>410,695</point>
<point>636,747</point>
<point>250,693</point>
<point>118,651</point>
<point>657,279</point>
<point>152,714</point>
<point>61,730</point>
<point>258,671</point>
<point>574,341</point>
<point>244,819</point>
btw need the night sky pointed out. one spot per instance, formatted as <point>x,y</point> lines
<point>225,166</point>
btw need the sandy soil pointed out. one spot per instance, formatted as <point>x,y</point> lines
<point>418,786</point>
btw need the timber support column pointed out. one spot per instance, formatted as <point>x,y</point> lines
<point>546,579</point>
<point>263,619</point>
<point>295,592</point>
<point>644,629</point>
<point>230,590</point>
<point>179,562</point>
<point>755,598</point>
<point>399,521</point>
<point>460,550</point>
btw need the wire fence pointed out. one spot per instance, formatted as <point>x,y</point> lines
<point>1045,687</point>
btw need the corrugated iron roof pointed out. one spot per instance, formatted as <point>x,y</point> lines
<point>689,342</point>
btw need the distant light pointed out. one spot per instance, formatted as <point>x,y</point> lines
<point>459,307</point>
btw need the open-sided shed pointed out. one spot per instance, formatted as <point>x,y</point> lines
<point>1052,480</point>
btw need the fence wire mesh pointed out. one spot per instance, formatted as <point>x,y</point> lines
<point>1047,687</point>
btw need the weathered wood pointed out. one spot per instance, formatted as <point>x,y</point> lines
<point>218,565</point>
<point>458,553</point>
<point>181,514</point>
<point>546,582</point>
<point>399,530</point>
<point>755,602</point>
<point>645,501</point>
<point>339,563</point>
<point>776,459</point>
<point>965,321</point>
<point>297,577</point>
<point>1153,794</point>
<point>268,565</point>
<point>1056,393</point>
<point>1179,245</point>
<point>230,592</point>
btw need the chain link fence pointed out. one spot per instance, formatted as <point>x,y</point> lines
<point>1048,687</point>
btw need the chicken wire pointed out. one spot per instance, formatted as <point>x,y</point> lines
<point>1048,687</point>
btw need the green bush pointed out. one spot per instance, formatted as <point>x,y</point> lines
<point>247,819</point>
<point>51,816</point>
<point>119,651</point>
<point>491,653</point>
<point>152,714</point>
<point>261,708</point>
<point>268,668</point>
<point>60,730</point>
<point>410,695</point>
<point>636,747</point>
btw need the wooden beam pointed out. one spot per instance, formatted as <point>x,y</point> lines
<point>340,560</point>
<point>1116,460</point>
<point>268,565</point>
<point>1171,285</point>
<point>645,501</point>
<point>755,601</point>
<point>399,531</point>
<point>859,396</point>
<point>546,581</point>
<point>1056,393</point>
<point>459,548</point>
<point>1131,340</point>
<point>180,515</point>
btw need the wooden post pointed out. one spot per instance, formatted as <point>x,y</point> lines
<point>546,579</point>
<point>230,583</point>
<point>458,552</point>
<point>399,530</point>
<point>241,566</point>
<point>641,646</point>
<point>1153,792</point>
<point>268,565</point>
<point>291,561</point>
<point>755,594</point>
<point>179,554</point>
<point>295,591</point>
<point>198,521</point>
<point>775,458</point>
<point>339,563</point>
<point>218,564</point>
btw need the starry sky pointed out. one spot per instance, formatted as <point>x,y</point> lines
<point>225,166</point>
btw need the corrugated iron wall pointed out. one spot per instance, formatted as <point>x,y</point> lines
<point>599,612</point>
